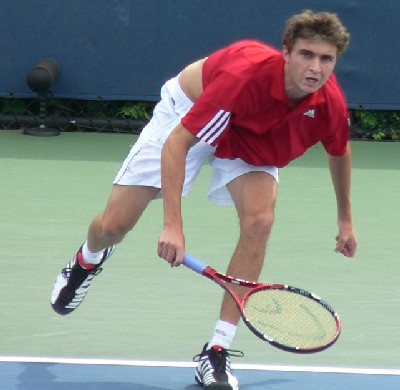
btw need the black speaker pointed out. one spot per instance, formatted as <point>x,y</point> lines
<point>39,80</point>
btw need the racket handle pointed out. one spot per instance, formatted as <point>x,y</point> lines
<point>194,264</point>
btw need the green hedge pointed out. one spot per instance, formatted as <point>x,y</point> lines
<point>376,125</point>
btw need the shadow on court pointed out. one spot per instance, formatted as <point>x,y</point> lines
<point>49,376</point>
<point>56,376</point>
<point>267,384</point>
<point>39,376</point>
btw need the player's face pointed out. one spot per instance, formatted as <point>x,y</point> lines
<point>308,66</point>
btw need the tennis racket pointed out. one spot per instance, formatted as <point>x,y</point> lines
<point>288,318</point>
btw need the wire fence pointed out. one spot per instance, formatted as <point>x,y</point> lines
<point>74,115</point>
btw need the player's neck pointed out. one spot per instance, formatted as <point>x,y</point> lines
<point>294,95</point>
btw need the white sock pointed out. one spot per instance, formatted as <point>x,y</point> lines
<point>90,257</point>
<point>224,333</point>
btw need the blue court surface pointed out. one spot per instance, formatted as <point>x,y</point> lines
<point>95,374</point>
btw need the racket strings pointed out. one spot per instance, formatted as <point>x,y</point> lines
<point>290,319</point>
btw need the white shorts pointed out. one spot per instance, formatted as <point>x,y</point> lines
<point>143,163</point>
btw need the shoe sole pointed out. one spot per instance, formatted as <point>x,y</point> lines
<point>62,309</point>
<point>215,386</point>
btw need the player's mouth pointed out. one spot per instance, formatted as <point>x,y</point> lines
<point>312,82</point>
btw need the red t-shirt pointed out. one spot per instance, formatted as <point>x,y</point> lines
<point>243,110</point>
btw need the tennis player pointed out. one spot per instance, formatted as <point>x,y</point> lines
<point>248,109</point>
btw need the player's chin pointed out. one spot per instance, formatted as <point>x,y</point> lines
<point>311,88</point>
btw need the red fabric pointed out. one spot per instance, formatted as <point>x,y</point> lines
<point>243,110</point>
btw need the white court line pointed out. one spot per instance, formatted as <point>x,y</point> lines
<point>145,363</point>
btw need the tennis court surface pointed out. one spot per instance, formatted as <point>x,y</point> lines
<point>104,375</point>
<point>142,322</point>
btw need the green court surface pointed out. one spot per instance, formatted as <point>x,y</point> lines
<point>139,308</point>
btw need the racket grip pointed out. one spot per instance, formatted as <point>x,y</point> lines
<point>194,264</point>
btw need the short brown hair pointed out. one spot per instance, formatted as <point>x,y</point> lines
<point>322,25</point>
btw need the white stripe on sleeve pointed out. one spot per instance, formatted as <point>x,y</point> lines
<point>214,127</point>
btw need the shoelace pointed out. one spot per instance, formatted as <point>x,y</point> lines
<point>222,351</point>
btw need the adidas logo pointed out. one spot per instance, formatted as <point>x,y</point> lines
<point>310,113</point>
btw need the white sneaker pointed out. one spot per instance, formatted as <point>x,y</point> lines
<point>73,282</point>
<point>214,369</point>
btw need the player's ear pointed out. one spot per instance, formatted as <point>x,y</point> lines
<point>285,53</point>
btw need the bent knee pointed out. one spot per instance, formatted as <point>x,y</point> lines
<point>111,228</point>
<point>258,225</point>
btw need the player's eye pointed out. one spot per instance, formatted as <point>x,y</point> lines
<point>327,59</point>
<point>307,55</point>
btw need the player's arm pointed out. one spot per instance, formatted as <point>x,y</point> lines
<point>171,243</point>
<point>340,169</point>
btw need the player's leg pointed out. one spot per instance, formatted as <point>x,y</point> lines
<point>254,196</point>
<point>123,210</point>
<point>137,182</point>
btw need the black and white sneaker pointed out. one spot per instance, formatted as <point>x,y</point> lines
<point>73,282</point>
<point>214,369</point>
